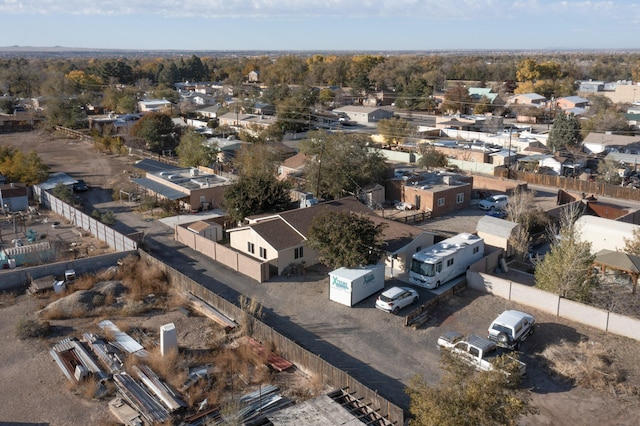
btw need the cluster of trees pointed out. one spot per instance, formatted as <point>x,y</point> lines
<point>337,165</point>
<point>413,77</point>
<point>340,164</point>
<point>258,189</point>
<point>18,166</point>
<point>118,83</point>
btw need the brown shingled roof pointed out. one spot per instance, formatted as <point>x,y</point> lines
<point>279,234</point>
<point>290,228</point>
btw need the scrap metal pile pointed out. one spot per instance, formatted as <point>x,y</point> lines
<point>143,397</point>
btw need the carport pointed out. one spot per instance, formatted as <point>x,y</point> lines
<point>619,261</point>
<point>164,191</point>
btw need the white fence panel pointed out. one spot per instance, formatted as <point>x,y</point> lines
<point>99,230</point>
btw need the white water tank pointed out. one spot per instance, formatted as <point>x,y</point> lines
<point>168,339</point>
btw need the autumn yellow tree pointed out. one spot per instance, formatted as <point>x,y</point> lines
<point>82,81</point>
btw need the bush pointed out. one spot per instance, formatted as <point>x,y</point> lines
<point>32,328</point>
<point>107,217</point>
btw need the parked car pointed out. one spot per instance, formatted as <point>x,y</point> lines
<point>511,327</point>
<point>80,186</point>
<point>499,213</point>
<point>494,202</point>
<point>396,298</point>
<point>403,206</point>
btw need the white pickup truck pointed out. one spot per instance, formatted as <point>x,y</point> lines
<point>476,351</point>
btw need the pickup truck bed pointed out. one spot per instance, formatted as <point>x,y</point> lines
<point>475,350</point>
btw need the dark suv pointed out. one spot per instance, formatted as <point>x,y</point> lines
<point>80,186</point>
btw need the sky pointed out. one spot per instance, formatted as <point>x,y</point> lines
<point>345,25</point>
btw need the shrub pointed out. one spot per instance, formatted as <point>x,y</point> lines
<point>108,218</point>
<point>32,328</point>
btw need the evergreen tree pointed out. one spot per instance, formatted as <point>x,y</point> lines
<point>345,239</point>
<point>565,132</point>
<point>566,269</point>
<point>255,194</point>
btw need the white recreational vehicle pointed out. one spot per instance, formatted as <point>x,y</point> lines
<point>445,260</point>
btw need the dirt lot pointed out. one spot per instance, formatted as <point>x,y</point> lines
<point>35,391</point>
<point>28,366</point>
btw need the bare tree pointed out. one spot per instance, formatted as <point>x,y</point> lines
<point>520,207</point>
<point>632,245</point>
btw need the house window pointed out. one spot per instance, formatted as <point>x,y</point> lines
<point>476,249</point>
<point>251,248</point>
<point>298,253</point>
<point>263,252</point>
<point>460,198</point>
<point>440,202</point>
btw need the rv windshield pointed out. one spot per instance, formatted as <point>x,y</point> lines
<point>422,268</point>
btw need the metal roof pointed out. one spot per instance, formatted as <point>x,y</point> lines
<point>495,226</point>
<point>56,178</point>
<point>158,188</point>
<point>121,340</point>
<point>618,260</point>
<point>154,166</point>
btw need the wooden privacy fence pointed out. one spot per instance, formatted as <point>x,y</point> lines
<point>577,185</point>
<point>74,133</point>
<point>285,347</point>
<point>456,288</point>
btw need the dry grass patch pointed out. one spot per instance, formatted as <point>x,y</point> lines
<point>7,299</point>
<point>56,313</point>
<point>32,328</point>
<point>251,309</point>
<point>142,279</point>
<point>84,282</point>
<point>171,367</point>
<point>588,364</point>
<point>89,388</point>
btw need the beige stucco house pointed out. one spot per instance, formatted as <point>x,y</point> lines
<point>281,239</point>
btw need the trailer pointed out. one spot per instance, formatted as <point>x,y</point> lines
<point>350,286</point>
<point>445,260</point>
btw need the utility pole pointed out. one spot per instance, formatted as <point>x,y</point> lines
<point>319,171</point>
<point>509,154</point>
